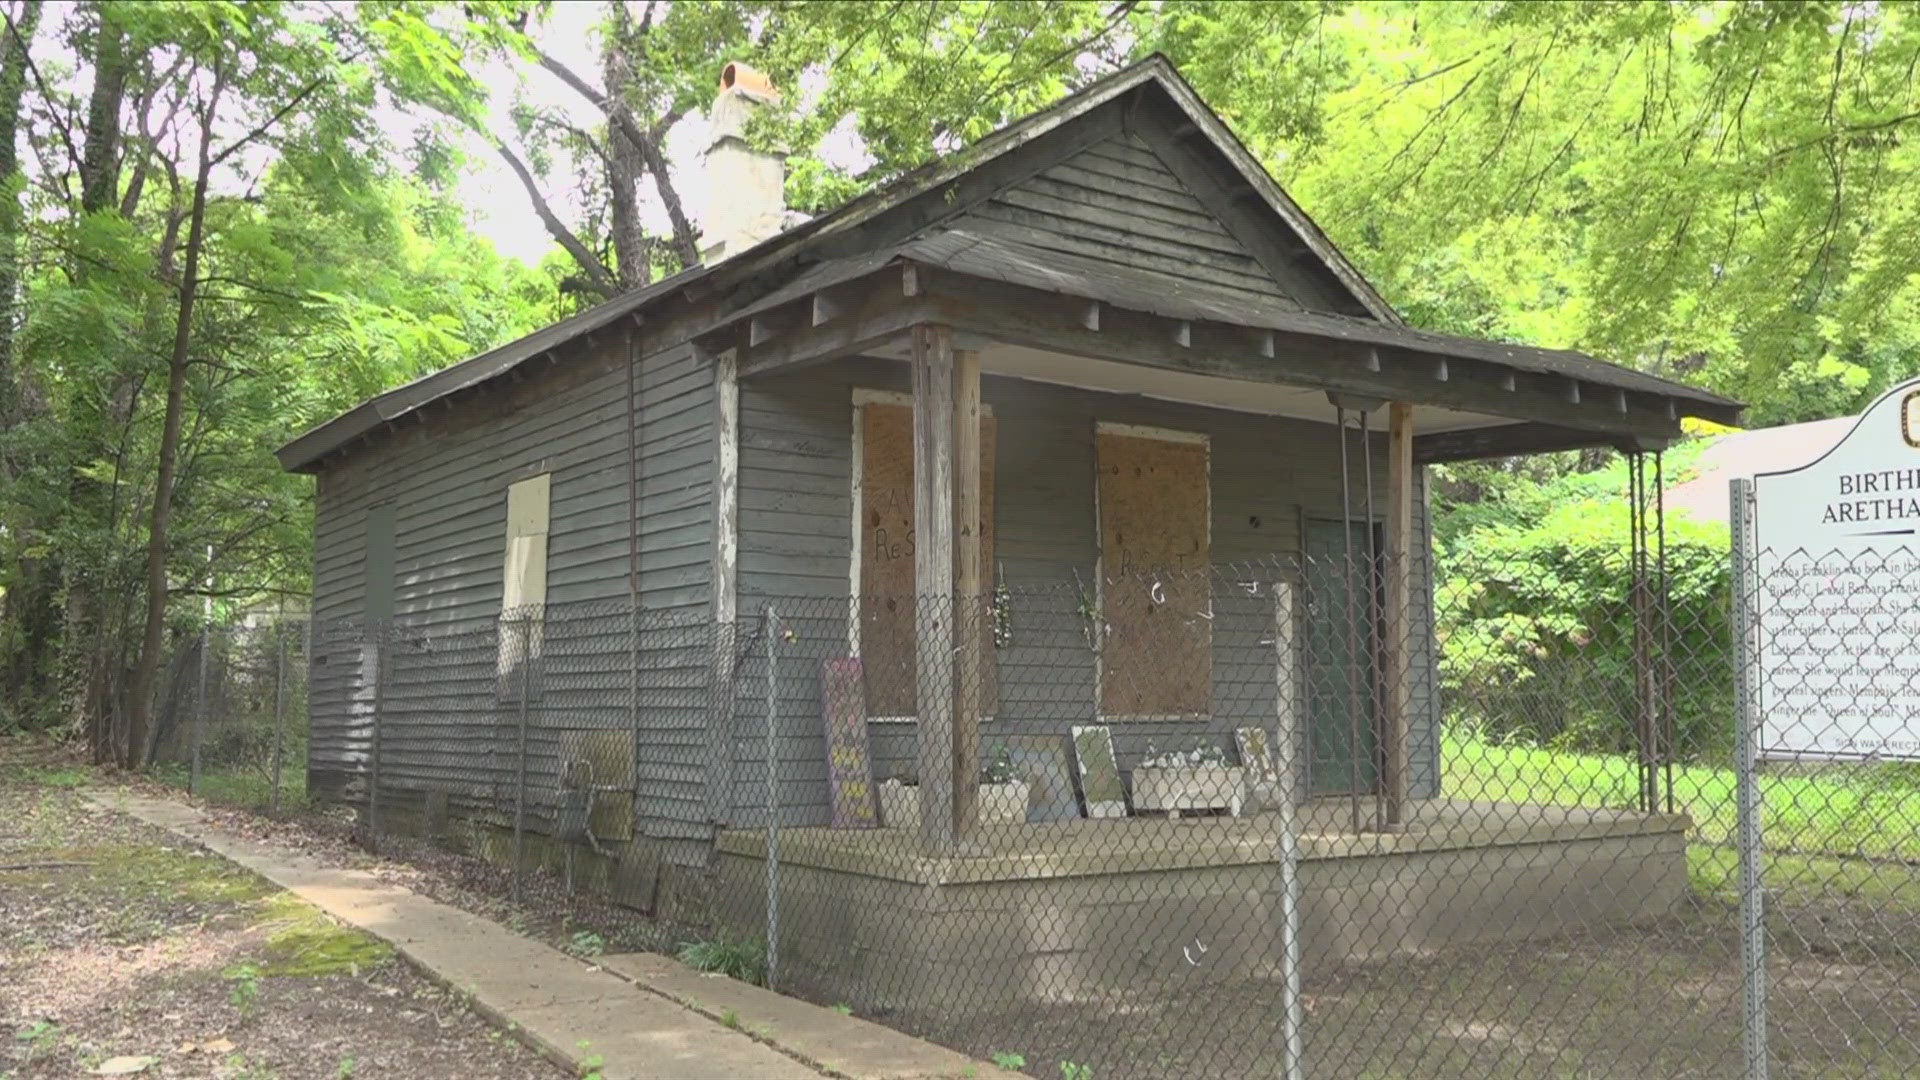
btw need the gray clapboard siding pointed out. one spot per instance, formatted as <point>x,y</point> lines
<point>445,726</point>
<point>1267,476</point>
<point>1119,202</point>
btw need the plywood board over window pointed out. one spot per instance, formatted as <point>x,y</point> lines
<point>886,624</point>
<point>1156,648</point>
<point>523,594</point>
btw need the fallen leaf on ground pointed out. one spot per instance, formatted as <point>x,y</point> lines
<point>125,1065</point>
<point>217,1046</point>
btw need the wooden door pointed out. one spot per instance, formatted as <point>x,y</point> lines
<point>1342,658</point>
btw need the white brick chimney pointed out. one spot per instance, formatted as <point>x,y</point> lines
<point>745,196</point>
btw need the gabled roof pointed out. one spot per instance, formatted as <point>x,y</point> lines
<point>919,208</point>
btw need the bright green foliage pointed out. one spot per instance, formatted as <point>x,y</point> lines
<point>327,271</point>
<point>1721,191</point>
<point>1534,598</point>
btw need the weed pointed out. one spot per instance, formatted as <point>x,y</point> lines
<point>843,1009</point>
<point>344,1070</point>
<point>55,776</point>
<point>744,959</point>
<point>586,943</point>
<point>731,1019</point>
<point>239,1068</point>
<point>245,993</point>
<point>590,1064</point>
<point>1007,1059</point>
<point>37,1036</point>
<point>634,939</point>
<point>1071,1070</point>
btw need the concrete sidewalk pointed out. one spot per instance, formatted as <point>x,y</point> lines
<point>637,1016</point>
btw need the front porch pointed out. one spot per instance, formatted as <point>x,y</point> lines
<point>1085,910</point>
<point>921,378</point>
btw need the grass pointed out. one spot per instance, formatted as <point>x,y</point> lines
<point>1855,810</point>
<point>1833,832</point>
<point>740,958</point>
<point>250,788</point>
<point>303,940</point>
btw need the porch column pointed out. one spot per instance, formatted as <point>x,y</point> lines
<point>970,612</point>
<point>933,577</point>
<point>1398,726</point>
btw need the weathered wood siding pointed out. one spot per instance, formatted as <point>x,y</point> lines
<point>446,726</point>
<point>1119,202</point>
<point>1268,475</point>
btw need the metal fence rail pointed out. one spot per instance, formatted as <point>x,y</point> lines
<point>1282,817</point>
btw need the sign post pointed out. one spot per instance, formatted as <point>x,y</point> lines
<point>1746,763</point>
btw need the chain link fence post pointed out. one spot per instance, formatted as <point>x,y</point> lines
<point>381,654</point>
<point>525,655</point>
<point>279,711</point>
<point>1286,809</point>
<point>199,708</point>
<point>1753,920</point>
<point>773,798</point>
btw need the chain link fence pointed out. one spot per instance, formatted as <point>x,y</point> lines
<point>230,715</point>
<point>1306,817</point>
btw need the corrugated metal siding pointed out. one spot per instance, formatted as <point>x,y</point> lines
<point>447,479</point>
<point>1119,202</point>
<point>795,532</point>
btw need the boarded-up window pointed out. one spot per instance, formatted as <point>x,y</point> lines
<point>887,608</point>
<point>523,595</point>
<point>1156,650</point>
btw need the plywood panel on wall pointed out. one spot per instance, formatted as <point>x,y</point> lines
<point>888,611</point>
<point>1156,652</point>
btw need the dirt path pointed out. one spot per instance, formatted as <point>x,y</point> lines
<point>121,945</point>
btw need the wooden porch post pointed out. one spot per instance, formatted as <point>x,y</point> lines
<point>933,577</point>
<point>1399,629</point>
<point>970,608</point>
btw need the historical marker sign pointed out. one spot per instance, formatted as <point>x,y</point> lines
<point>1836,589</point>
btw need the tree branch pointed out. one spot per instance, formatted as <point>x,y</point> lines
<point>686,242</point>
<point>26,58</point>
<point>596,271</point>
<point>279,114</point>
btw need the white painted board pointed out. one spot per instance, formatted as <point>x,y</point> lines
<point>1836,589</point>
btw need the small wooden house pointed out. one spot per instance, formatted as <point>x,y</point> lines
<point>1102,341</point>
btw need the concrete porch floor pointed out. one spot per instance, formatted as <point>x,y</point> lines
<point>1039,850</point>
<point>1081,910</point>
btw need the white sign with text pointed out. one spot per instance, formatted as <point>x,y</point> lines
<point>1836,588</point>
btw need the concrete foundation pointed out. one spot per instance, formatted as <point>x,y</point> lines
<point>1095,910</point>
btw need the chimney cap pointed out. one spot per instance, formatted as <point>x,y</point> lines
<point>749,81</point>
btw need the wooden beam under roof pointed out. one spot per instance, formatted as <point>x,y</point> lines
<point>1020,315</point>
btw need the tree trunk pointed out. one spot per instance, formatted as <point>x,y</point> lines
<point>13,81</point>
<point>82,573</point>
<point>624,165</point>
<point>31,615</point>
<point>100,157</point>
<point>139,703</point>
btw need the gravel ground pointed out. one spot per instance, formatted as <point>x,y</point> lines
<point>122,947</point>
<point>1651,1001</point>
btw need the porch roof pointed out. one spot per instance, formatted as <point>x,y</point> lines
<point>1503,398</point>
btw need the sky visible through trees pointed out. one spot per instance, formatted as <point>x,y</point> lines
<point>225,222</point>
